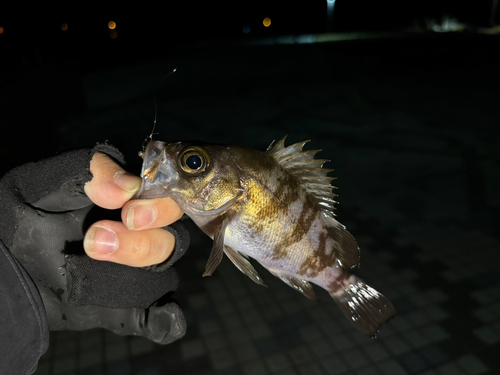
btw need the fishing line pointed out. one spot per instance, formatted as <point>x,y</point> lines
<point>150,137</point>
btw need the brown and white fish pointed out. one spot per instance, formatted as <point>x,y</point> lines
<point>275,207</point>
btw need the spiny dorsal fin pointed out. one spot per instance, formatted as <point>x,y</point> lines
<point>276,146</point>
<point>309,171</point>
<point>315,180</point>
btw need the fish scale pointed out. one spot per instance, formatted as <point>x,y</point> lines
<point>265,243</point>
<point>275,207</point>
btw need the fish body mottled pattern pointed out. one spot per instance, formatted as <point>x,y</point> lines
<point>280,226</point>
<point>275,207</point>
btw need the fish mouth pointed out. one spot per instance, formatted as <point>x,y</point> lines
<point>153,187</point>
<point>150,190</point>
<point>152,155</point>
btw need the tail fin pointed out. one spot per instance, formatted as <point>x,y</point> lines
<point>365,308</point>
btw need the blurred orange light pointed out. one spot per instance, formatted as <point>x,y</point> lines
<point>64,26</point>
<point>266,22</point>
<point>113,34</point>
<point>112,25</point>
<point>1,30</point>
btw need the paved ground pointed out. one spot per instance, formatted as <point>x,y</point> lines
<point>410,124</point>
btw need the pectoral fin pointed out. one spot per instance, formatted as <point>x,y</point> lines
<point>243,265</point>
<point>300,285</point>
<point>218,248</point>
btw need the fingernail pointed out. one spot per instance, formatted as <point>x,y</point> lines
<point>127,181</point>
<point>99,240</point>
<point>140,215</point>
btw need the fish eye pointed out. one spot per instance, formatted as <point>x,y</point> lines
<point>193,160</point>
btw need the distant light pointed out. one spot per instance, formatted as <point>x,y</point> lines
<point>330,1</point>
<point>113,34</point>
<point>112,25</point>
<point>266,22</point>
<point>64,26</point>
<point>246,29</point>
<point>1,30</point>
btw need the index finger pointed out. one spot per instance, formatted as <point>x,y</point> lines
<point>141,214</point>
<point>111,186</point>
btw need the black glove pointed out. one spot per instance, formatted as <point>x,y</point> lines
<point>43,212</point>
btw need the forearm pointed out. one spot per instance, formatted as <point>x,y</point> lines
<point>24,336</point>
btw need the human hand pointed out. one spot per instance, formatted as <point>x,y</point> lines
<point>139,239</point>
<point>43,214</point>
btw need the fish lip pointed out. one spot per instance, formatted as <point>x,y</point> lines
<point>152,156</point>
<point>152,186</point>
<point>151,191</point>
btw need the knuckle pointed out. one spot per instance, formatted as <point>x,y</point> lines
<point>140,250</point>
<point>161,247</point>
<point>103,164</point>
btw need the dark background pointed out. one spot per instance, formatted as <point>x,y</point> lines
<point>41,66</point>
<point>408,116</point>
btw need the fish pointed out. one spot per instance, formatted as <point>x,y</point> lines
<point>275,207</point>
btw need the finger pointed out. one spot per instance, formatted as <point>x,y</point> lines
<point>162,324</point>
<point>111,185</point>
<point>112,241</point>
<point>140,214</point>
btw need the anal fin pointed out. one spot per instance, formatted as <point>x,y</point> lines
<point>242,263</point>
<point>296,283</point>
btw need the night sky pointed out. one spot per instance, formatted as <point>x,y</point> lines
<point>143,29</point>
<point>43,65</point>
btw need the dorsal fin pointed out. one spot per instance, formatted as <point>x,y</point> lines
<point>309,171</point>
<point>315,180</point>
